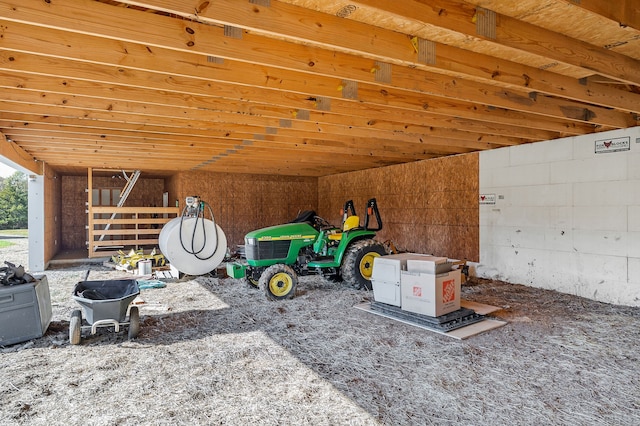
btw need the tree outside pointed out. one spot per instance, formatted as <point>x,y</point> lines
<point>14,202</point>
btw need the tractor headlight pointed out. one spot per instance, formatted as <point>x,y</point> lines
<point>250,241</point>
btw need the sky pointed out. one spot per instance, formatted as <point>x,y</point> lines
<point>6,171</point>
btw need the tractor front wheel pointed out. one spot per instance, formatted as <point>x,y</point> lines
<point>357,265</point>
<point>279,282</point>
<point>250,279</point>
<point>251,282</point>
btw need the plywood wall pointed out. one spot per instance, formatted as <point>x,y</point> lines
<point>146,193</point>
<point>428,206</point>
<point>242,202</point>
<point>52,213</point>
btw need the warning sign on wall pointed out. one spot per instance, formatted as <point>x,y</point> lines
<point>613,145</point>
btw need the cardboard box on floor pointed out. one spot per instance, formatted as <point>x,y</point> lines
<point>430,294</point>
<point>429,265</point>
<point>385,279</point>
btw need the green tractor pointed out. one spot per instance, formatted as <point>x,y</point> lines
<point>277,255</point>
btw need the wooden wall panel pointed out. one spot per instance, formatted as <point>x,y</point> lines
<point>146,193</point>
<point>240,202</point>
<point>243,202</point>
<point>73,216</point>
<point>428,206</point>
<point>52,213</point>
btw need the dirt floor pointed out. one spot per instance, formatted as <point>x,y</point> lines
<point>214,351</point>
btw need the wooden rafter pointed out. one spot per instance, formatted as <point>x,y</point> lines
<point>305,87</point>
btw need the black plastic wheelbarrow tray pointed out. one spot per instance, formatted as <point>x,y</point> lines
<point>105,304</point>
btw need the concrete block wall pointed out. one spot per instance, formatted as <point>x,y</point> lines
<point>565,217</point>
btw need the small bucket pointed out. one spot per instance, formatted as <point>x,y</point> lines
<point>144,267</point>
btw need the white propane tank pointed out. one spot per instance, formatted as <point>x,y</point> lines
<point>198,253</point>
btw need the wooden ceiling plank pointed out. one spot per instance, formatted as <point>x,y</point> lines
<point>66,86</point>
<point>293,155</point>
<point>456,138</point>
<point>69,136</point>
<point>45,41</point>
<point>626,13</point>
<point>312,130</point>
<point>16,155</point>
<point>115,119</point>
<point>460,17</point>
<point>35,64</point>
<point>472,92</point>
<point>321,29</point>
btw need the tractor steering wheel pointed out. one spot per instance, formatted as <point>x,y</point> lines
<point>321,223</point>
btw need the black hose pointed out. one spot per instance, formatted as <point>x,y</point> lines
<point>200,216</point>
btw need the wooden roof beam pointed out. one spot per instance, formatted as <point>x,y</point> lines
<point>102,20</point>
<point>435,142</point>
<point>37,106</point>
<point>45,41</point>
<point>393,103</point>
<point>160,143</point>
<point>460,17</point>
<point>260,161</point>
<point>463,138</point>
<point>65,90</point>
<point>10,120</point>
<point>625,12</point>
<point>320,29</point>
<point>17,158</point>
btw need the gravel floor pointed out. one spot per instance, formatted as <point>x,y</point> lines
<point>213,351</point>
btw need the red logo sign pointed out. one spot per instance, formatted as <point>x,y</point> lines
<point>613,145</point>
<point>417,291</point>
<point>448,291</point>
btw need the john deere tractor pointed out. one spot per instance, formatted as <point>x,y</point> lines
<point>277,255</point>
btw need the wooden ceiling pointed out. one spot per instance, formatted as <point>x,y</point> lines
<point>307,87</point>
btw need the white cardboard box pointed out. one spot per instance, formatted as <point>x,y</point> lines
<point>385,278</point>
<point>430,294</point>
<point>426,265</point>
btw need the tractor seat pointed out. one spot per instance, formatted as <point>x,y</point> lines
<point>350,223</point>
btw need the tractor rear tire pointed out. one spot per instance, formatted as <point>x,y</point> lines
<point>357,265</point>
<point>279,282</point>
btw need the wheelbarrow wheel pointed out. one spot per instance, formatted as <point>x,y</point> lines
<point>75,327</point>
<point>134,322</point>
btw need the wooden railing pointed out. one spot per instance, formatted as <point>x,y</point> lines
<point>131,228</point>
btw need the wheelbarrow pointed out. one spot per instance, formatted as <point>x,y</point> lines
<point>105,304</point>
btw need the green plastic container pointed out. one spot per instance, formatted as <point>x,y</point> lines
<point>236,270</point>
